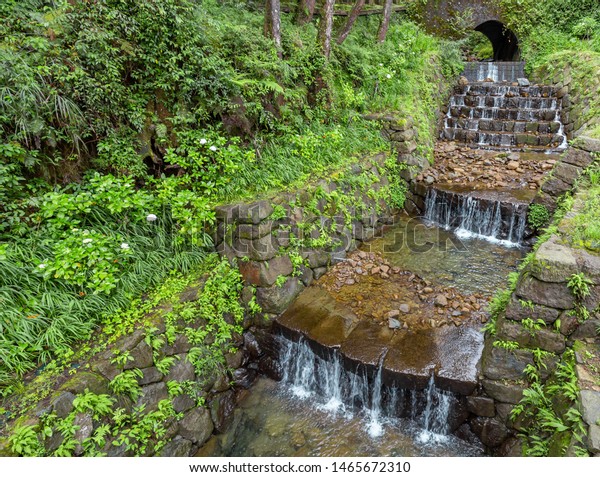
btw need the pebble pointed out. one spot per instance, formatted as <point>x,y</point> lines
<point>404,308</point>
<point>394,324</point>
<point>392,314</point>
<point>441,300</point>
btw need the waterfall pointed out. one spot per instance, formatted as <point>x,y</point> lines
<point>435,417</point>
<point>471,217</point>
<point>333,389</point>
<point>505,116</point>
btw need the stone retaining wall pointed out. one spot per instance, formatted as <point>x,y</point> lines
<point>204,405</point>
<point>283,244</point>
<point>543,318</point>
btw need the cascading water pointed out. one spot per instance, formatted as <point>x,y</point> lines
<point>472,217</point>
<point>333,389</point>
<point>499,115</point>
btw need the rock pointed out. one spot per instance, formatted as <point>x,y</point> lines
<point>152,395</point>
<point>271,368</point>
<point>244,378</point>
<point>392,314</point>
<point>196,426</point>
<point>587,329</point>
<point>429,180</point>
<point>499,363</point>
<point>142,356</point>
<point>543,338</point>
<point>491,432</point>
<point>277,299</point>
<point>503,391</point>
<point>183,403</point>
<point>463,81</point>
<point>523,82</point>
<point>149,376</point>
<point>85,380</point>
<point>319,272</point>
<point>221,411</point>
<point>441,300</point>
<point>63,404</point>
<point>181,370</point>
<point>265,274</point>
<point>481,406</point>
<point>587,144</point>
<point>593,439</point>
<point>394,324</point>
<point>428,290</point>
<point>517,312</point>
<point>86,427</point>
<point>176,448</point>
<point>512,165</point>
<point>553,295</point>
<point>404,308</point>
<point>590,406</point>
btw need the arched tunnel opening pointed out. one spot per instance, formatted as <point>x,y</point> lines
<point>504,41</point>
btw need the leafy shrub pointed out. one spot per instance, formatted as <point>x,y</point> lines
<point>538,216</point>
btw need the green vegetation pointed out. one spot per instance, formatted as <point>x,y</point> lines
<point>548,417</point>
<point>122,125</point>
<point>538,216</point>
<point>560,41</point>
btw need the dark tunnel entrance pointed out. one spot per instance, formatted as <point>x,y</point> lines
<point>504,41</point>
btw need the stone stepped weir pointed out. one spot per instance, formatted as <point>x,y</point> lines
<point>493,215</point>
<point>504,116</point>
<point>325,381</point>
<point>496,71</point>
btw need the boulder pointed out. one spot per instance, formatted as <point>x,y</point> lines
<point>481,406</point>
<point>142,356</point>
<point>181,370</point>
<point>590,406</point>
<point>554,295</point>
<point>63,404</point>
<point>149,376</point>
<point>196,426</point>
<point>554,262</point>
<point>152,395</point>
<point>264,274</point>
<point>176,448</point>
<point>543,338</point>
<point>517,312</point>
<point>499,363</point>
<point>277,299</point>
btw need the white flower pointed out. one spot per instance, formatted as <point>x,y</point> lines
<point>42,266</point>
<point>86,241</point>
<point>125,246</point>
<point>213,148</point>
<point>203,141</point>
<point>151,217</point>
<point>380,64</point>
<point>388,76</point>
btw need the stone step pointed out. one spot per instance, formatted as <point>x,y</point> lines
<point>510,114</point>
<point>503,139</point>
<point>491,125</point>
<point>504,102</point>
<point>495,89</point>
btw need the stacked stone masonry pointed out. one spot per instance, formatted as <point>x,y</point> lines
<point>542,295</point>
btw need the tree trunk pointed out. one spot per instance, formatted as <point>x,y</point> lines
<point>326,26</point>
<point>385,21</point>
<point>354,13</point>
<point>305,12</point>
<point>272,27</point>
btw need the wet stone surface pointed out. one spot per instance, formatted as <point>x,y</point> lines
<point>482,169</point>
<point>357,306</point>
